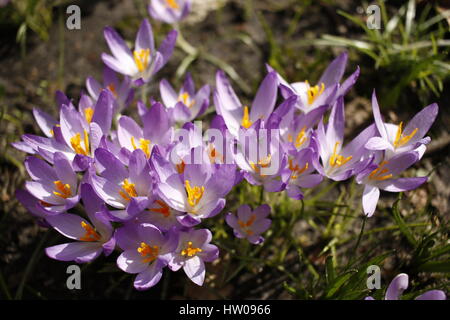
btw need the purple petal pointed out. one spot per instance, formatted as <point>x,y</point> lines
<point>397,286</point>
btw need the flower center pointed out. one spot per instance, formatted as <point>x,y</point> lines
<point>63,190</point>
<point>190,251</point>
<point>245,225</point>
<point>300,139</point>
<point>186,99</point>
<point>380,173</point>
<point>263,163</point>
<point>141,58</point>
<point>246,123</point>
<point>172,4</point>
<point>88,113</point>
<point>163,208</point>
<point>144,145</point>
<point>91,234</point>
<point>194,194</point>
<point>400,139</point>
<point>75,142</point>
<point>296,171</point>
<point>148,253</point>
<point>314,92</point>
<point>128,190</point>
<point>336,159</point>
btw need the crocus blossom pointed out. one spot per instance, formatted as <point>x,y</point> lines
<point>187,104</point>
<point>384,175</point>
<point>56,187</point>
<point>327,89</point>
<point>145,60</point>
<point>146,251</point>
<point>396,139</point>
<point>169,11</point>
<point>194,249</point>
<point>250,224</point>
<point>93,236</point>
<point>234,113</point>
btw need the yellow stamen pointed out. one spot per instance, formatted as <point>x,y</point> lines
<point>300,139</point>
<point>144,145</point>
<point>380,173</point>
<point>190,251</point>
<point>400,139</point>
<point>91,234</point>
<point>129,190</point>
<point>88,114</point>
<point>194,194</point>
<point>186,99</point>
<point>314,92</point>
<point>336,159</point>
<point>141,58</point>
<point>75,142</point>
<point>172,4</point>
<point>163,209</point>
<point>148,253</point>
<point>64,189</point>
<point>246,123</point>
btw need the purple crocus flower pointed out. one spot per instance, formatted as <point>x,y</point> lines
<point>78,132</point>
<point>56,187</point>
<point>199,190</point>
<point>383,175</point>
<point>400,284</point>
<point>296,129</point>
<point>157,130</point>
<point>327,90</point>
<point>250,224</point>
<point>394,139</point>
<point>236,115</point>
<point>129,190</point>
<point>187,104</point>
<point>93,236</point>
<point>122,91</point>
<point>300,173</point>
<point>169,11</point>
<point>194,249</point>
<point>261,158</point>
<point>146,252</point>
<point>145,60</point>
<point>341,162</point>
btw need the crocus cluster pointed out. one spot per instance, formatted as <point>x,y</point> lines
<point>142,186</point>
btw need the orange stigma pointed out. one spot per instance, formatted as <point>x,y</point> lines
<point>380,173</point>
<point>148,253</point>
<point>63,190</point>
<point>91,234</point>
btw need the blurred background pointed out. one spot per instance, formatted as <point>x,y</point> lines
<point>407,61</point>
